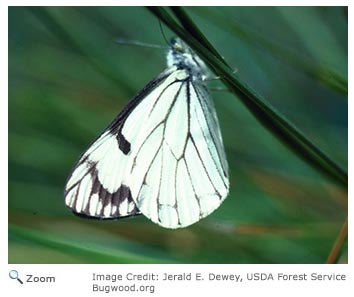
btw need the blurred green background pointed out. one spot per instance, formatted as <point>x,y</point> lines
<point>68,79</point>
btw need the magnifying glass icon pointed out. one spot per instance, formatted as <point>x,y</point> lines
<point>14,275</point>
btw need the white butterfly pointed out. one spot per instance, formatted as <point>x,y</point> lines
<point>162,156</point>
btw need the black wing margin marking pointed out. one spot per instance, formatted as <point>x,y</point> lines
<point>105,199</point>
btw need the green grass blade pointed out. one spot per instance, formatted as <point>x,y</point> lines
<point>323,74</point>
<point>77,248</point>
<point>272,119</point>
<point>194,30</point>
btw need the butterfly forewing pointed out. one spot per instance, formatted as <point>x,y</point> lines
<point>98,184</point>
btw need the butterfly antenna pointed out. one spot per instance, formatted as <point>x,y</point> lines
<point>124,41</point>
<point>163,33</point>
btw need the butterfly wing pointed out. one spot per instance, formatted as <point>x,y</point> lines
<point>179,173</point>
<point>98,184</point>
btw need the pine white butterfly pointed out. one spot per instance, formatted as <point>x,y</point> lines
<point>162,156</point>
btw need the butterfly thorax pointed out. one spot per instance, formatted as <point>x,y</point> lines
<point>181,56</point>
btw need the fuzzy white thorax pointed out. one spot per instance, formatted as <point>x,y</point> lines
<point>182,56</point>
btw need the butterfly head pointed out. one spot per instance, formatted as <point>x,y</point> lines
<point>182,56</point>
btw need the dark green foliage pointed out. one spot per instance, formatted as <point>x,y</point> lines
<point>68,79</point>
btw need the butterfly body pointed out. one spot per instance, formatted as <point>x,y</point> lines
<point>162,156</point>
<point>181,56</point>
